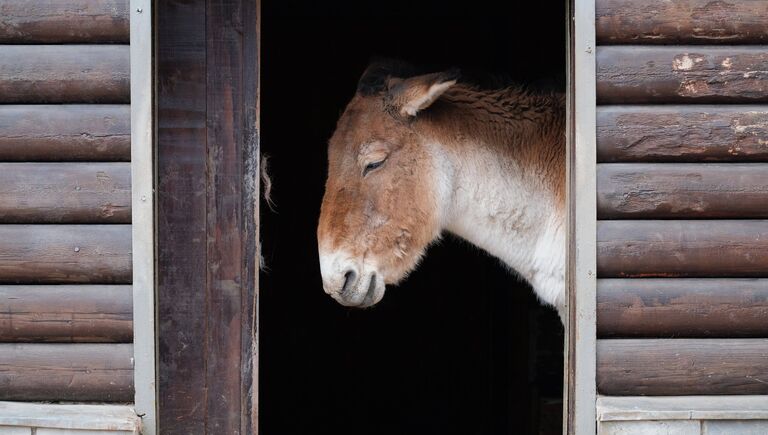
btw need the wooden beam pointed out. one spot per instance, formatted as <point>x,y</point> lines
<point>181,217</point>
<point>682,307</point>
<point>207,232</point>
<point>98,254</point>
<point>682,133</point>
<point>681,22</point>
<point>682,74</point>
<point>679,367</point>
<point>668,191</point>
<point>64,21</point>
<point>67,132</point>
<point>71,372</point>
<point>64,74</point>
<point>682,248</point>
<point>66,313</point>
<point>65,193</point>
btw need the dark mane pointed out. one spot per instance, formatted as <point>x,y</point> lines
<point>374,79</point>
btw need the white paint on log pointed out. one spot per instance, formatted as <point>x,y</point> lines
<point>45,431</point>
<point>674,427</point>
<point>629,408</point>
<point>84,417</point>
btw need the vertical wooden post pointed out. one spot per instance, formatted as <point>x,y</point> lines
<point>208,188</point>
<point>143,214</point>
<point>582,222</point>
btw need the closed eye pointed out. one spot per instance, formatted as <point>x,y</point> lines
<point>371,166</point>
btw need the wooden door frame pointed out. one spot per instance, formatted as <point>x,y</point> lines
<point>581,277</point>
<point>207,166</point>
<point>143,214</point>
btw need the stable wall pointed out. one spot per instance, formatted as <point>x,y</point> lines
<point>682,195</point>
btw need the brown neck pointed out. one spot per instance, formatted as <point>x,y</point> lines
<point>526,127</point>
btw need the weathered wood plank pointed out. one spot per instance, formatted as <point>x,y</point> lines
<point>66,313</point>
<point>685,190</point>
<point>98,254</point>
<point>688,133</point>
<point>681,22</point>
<point>682,307</point>
<point>67,132</point>
<point>90,416</point>
<point>72,372</point>
<point>677,74</point>
<point>64,74</point>
<point>225,302</point>
<point>64,21</point>
<point>682,248</point>
<point>65,193</point>
<point>181,210</point>
<point>679,367</point>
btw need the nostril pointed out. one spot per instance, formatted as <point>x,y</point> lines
<point>349,279</point>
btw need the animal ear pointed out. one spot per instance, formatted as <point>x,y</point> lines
<point>412,95</point>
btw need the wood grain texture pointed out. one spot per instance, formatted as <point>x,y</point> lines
<point>682,248</point>
<point>64,21</point>
<point>682,74</point>
<point>684,190</point>
<point>68,132</point>
<point>687,133</point>
<point>66,313</point>
<point>65,193</point>
<point>64,74</point>
<point>207,234</point>
<point>680,367</point>
<point>71,372</point>
<point>98,254</point>
<point>224,368</point>
<point>681,22</point>
<point>181,211</point>
<point>668,308</point>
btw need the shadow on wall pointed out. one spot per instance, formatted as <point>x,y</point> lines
<point>462,347</point>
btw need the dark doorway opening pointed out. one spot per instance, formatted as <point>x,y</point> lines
<point>462,346</point>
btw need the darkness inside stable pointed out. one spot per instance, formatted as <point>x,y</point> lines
<point>462,346</point>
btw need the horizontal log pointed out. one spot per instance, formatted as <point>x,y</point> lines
<point>66,313</point>
<point>681,22</point>
<point>709,307</point>
<point>682,74</point>
<point>682,248</point>
<point>681,367</point>
<point>64,74</point>
<point>688,133</point>
<point>64,21</point>
<point>684,190</point>
<point>65,193</point>
<point>52,254</point>
<point>71,372</point>
<point>65,132</point>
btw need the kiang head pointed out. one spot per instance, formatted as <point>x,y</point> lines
<point>382,205</point>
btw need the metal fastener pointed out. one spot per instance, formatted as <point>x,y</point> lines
<point>589,49</point>
<point>139,10</point>
<point>77,249</point>
<point>143,197</point>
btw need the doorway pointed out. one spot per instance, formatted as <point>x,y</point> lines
<point>462,346</point>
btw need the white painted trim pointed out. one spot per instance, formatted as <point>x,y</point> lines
<point>85,417</point>
<point>143,227</point>
<point>631,408</point>
<point>582,328</point>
